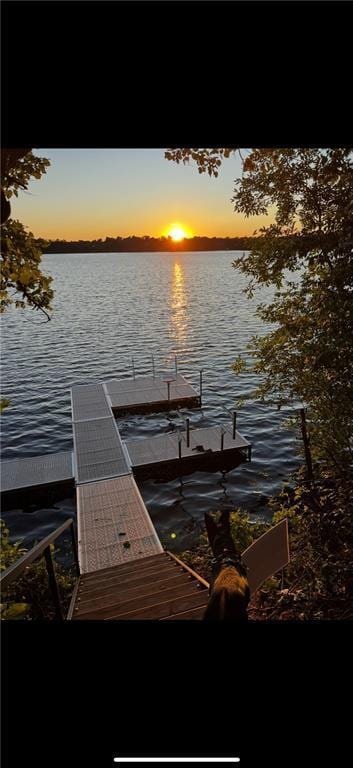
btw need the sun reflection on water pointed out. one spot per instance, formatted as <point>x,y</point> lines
<point>178,304</point>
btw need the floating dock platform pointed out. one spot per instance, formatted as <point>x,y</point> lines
<point>150,394</point>
<point>36,471</point>
<point>150,453</point>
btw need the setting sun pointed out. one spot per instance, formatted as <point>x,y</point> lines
<point>176,231</point>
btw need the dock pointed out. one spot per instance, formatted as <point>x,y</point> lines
<point>36,471</point>
<point>124,571</point>
<point>99,451</point>
<point>150,394</point>
<point>172,449</point>
<point>114,526</point>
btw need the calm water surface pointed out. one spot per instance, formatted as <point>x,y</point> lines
<point>109,307</point>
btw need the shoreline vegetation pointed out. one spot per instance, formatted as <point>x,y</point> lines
<point>318,582</point>
<point>148,244</point>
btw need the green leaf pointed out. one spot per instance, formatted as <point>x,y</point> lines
<point>15,611</point>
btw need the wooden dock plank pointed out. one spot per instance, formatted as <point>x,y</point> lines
<point>160,587</point>
<point>191,615</point>
<point>166,608</point>
<point>136,580</point>
<point>118,606</point>
<point>111,514</point>
<point>105,596</point>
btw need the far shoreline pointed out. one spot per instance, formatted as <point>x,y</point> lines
<point>146,245</point>
<point>145,253</point>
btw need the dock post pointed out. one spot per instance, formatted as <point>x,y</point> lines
<point>133,368</point>
<point>153,368</point>
<point>179,441</point>
<point>188,433</point>
<point>234,423</point>
<point>168,385</point>
<point>222,439</point>
<point>176,366</point>
<point>201,372</point>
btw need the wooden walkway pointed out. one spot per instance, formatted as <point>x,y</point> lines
<point>159,587</point>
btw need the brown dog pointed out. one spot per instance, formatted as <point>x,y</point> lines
<point>229,587</point>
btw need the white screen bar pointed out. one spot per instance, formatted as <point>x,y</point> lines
<point>176,759</point>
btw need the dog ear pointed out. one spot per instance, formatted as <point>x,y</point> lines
<point>224,521</point>
<point>211,528</point>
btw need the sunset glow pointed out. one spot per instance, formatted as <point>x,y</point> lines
<point>177,231</point>
<point>88,194</point>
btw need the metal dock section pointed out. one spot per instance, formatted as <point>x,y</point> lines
<point>114,526</point>
<point>98,449</point>
<point>173,447</point>
<point>146,394</point>
<point>34,471</point>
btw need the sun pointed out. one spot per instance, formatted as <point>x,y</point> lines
<point>177,231</point>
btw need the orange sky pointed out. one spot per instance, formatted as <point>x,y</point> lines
<point>89,194</point>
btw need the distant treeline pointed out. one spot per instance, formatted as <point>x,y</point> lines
<point>124,244</point>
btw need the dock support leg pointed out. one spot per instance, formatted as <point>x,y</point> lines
<point>133,369</point>
<point>222,440</point>
<point>188,433</point>
<point>201,372</point>
<point>153,369</point>
<point>179,442</point>
<point>234,423</point>
<point>176,366</point>
<point>249,453</point>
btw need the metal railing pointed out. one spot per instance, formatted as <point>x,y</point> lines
<point>154,369</point>
<point>157,371</point>
<point>42,549</point>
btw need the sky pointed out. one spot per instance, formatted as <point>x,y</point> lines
<point>97,193</point>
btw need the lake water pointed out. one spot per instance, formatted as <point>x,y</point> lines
<point>108,308</point>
